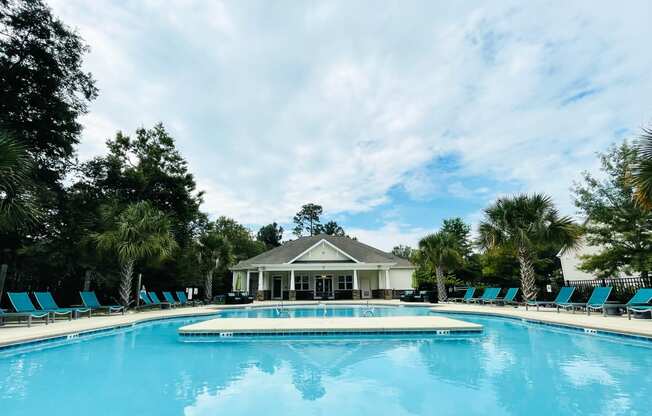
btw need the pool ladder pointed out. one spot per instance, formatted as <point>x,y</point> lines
<point>281,312</point>
<point>368,312</point>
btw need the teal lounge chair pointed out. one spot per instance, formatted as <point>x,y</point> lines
<point>596,302</point>
<point>640,302</point>
<point>147,302</point>
<point>89,299</point>
<point>170,299</point>
<point>22,303</point>
<point>183,299</point>
<point>563,298</point>
<point>4,315</point>
<point>467,295</point>
<point>46,302</point>
<point>489,294</point>
<point>155,301</point>
<point>508,299</point>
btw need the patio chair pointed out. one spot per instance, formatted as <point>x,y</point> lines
<point>508,299</point>
<point>170,299</point>
<point>467,295</point>
<point>4,315</point>
<point>89,299</point>
<point>563,298</point>
<point>155,301</point>
<point>46,302</point>
<point>596,302</point>
<point>183,299</point>
<point>489,294</point>
<point>22,303</point>
<point>640,302</point>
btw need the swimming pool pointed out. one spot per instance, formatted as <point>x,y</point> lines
<point>513,369</point>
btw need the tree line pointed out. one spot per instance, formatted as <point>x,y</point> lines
<point>132,213</point>
<point>520,236</point>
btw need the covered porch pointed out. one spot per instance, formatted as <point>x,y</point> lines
<point>325,283</point>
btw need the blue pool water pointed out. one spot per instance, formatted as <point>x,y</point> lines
<point>512,369</point>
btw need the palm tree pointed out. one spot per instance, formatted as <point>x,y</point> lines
<point>213,250</point>
<point>18,208</point>
<point>441,250</point>
<point>520,224</point>
<point>140,231</point>
<point>17,205</point>
<point>642,172</point>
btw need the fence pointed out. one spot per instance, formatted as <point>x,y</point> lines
<point>623,288</point>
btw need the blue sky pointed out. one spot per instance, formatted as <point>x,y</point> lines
<point>392,115</point>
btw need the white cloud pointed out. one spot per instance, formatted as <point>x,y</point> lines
<point>389,235</point>
<point>340,102</point>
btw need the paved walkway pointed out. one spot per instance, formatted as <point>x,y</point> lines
<point>11,333</point>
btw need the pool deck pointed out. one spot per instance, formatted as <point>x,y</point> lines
<point>386,324</point>
<point>15,334</point>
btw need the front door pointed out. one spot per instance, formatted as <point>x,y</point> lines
<point>365,288</point>
<point>277,292</point>
<point>323,287</point>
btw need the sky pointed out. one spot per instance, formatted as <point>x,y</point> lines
<point>392,115</point>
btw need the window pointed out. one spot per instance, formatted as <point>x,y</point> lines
<point>345,282</point>
<point>302,283</point>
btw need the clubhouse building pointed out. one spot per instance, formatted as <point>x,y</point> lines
<point>323,267</point>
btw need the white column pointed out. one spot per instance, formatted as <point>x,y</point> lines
<point>387,279</point>
<point>378,274</point>
<point>355,279</point>
<point>247,278</point>
<point>261,281</point>
<point>291,280</point>
<point>247,283</point>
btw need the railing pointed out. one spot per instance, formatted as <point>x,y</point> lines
<point>623,288</point>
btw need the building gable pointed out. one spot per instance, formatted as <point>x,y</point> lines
<point>323,252</point>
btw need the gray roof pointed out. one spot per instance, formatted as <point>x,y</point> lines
<point>293,248</point>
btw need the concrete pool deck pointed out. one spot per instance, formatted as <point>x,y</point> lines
<point>386,324</point>
<point>14,334</point>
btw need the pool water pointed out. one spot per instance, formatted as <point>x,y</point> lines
<point>512,369</point>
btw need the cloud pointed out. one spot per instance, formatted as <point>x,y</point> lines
<point>340,103</point>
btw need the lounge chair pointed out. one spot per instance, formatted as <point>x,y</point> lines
<point>153,300</point>
<point>4,315</point>
<point>183,299</point>
<point>46,302</point>
<point>508,299</point>
<point>147,302</point>
<point>489,294</point>
<point>563,298</point>
<point>640,302</point>
<point>22,303</point>
<point>467,295</point>
<point>596,302</point>
<point>89,299</point>
<point>170,299</point>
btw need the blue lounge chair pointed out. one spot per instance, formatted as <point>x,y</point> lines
<point>563,298</point>
<point>46,302</point>
<point>147,302</point>
<point>183,299</point>
<point>22,303</point>
<point>596,302</point>
<point>89,299</point>
<point>489,294</point>
<point>4,315</point>
<point>170,299</point>
<point>155,301</point>
<point>467,295</point>
<point>640,302</point>
<point>508,299</point>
